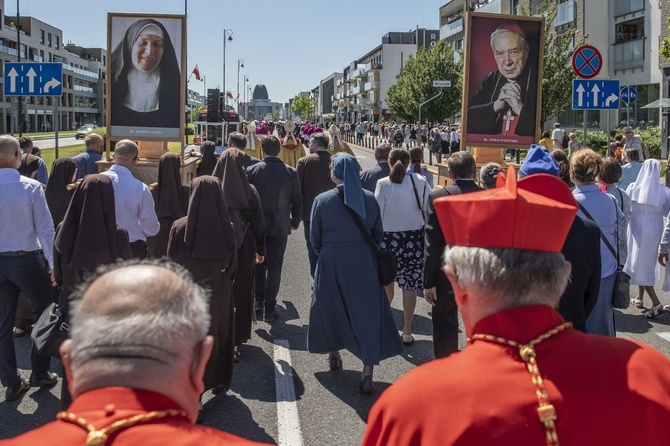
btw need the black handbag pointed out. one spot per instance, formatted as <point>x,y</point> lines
<point>621,293</point>
<point>50,331</point>
<point>386,265</point>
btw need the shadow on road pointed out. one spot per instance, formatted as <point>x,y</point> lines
<point>344,385</point>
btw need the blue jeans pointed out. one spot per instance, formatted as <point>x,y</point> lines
<point>268,273</point>
<point>28,274</point>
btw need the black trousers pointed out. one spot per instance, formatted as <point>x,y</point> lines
<point>268,273</point>
<point>445,321</point>
<point>28,273</point>
<point>139,249</point>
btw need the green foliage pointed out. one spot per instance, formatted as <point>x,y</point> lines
<point>195,114</point>
<point>557,72</point>
<point>189,129</point>
<point>303,106</point>
<point>597,139</point>
<point>664,50</point>
<point>276,115</point>
<point>414,85</point>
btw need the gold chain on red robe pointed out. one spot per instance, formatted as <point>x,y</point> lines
<point>545,410</point>
<point>99,437</point>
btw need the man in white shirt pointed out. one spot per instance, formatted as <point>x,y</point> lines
<point>134,204</point>
<point>26,239</point>
<point>558,135</point>
<point>455,138</point>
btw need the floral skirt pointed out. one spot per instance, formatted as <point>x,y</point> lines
<point>407,246</point>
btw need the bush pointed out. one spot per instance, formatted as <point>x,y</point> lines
<point>189,129</point>
<point>597,139</point>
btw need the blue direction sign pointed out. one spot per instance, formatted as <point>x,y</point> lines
<point>595,94</point>
<point>33,79</point>
<point>628,95</point>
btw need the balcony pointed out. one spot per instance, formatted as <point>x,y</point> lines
<point>356,90</point>
<point>371,86</point>
<point>565,13</point>
<point>629,54</point>
<point>623,7</point>
<point>360,72</point>
<point>452,28</point>
<point>80,71</point>
<point>494,7</point>
<point>373,66</point>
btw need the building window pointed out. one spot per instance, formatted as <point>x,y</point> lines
<point>49,39</point>
<point>57,44</point>
<point>515,7</point>
<point>42,36</point>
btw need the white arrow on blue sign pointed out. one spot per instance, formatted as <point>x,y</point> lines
<point>595,94</point>
<point>33,79</point>
<point>628,95</point>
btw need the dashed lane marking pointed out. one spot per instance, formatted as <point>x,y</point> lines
<point>288,420</point>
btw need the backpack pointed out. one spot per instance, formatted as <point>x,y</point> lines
<point>239,220</point>
<point>566,140</point>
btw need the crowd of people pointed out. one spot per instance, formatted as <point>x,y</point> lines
<point>129,261</point>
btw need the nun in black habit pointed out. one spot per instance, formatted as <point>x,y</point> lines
<point>243,202</point>
<point>170,201</point>
<point>58,197</point>
<point>204,243</point>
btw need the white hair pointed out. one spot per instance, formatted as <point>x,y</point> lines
<point>513,277</point>
<point>173,313</point>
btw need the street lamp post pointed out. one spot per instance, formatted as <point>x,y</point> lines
<point>249,97</point>
<point>240,64</point>
<point>227,36</point>
<point>244,89</point>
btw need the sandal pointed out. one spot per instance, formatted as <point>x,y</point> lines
<point>637,302</point>
<point>407,339</point>
<point>654,311</point>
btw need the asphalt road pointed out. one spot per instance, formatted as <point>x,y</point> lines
<point>325,407</point>
<point>50,143</point>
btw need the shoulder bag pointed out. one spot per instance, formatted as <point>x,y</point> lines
<point>50,331</point>
<point>621,293</point>
<point>386,266</point>
<point>418,201</point>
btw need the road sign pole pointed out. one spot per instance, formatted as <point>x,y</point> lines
<point>56,119</point>
<point>627,115</point>
<point>583,131</point>
<point>430,154</point>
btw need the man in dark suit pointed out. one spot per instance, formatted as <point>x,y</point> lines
<point>437,289</point>
<point>239,141</point>
<point>369,177</point>
<point>314,177</point>
<point>278,187</point>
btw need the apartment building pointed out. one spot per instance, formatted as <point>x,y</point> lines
<point>359,92</point>
<point>626,32</point>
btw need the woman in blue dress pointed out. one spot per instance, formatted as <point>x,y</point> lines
<point>349,308</point>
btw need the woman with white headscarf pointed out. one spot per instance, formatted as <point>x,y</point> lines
<point>649,203</point>
<point>145,78</point>
<point>349,308</point>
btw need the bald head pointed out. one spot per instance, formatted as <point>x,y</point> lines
<point>94,142</point>
<point>9,146</point>
<point>136,313</point>
<point>125,153</point>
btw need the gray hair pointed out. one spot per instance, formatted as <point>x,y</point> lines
<point>126,149</point>
<point>512,277</point>
<point>155,320</point>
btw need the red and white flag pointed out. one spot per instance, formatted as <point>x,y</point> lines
<point>196,71</point>
<point>230,95</point>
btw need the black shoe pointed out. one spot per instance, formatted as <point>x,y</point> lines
<point>335,362</point>
<point>258,306</point>
<point>201,414</point>
<point>14,392</point>
<point>366,386</point>
<point>43,379</point>
<point>218,389</point>
<point>270,317</point>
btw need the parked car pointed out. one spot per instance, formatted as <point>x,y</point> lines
<point>84,130</point>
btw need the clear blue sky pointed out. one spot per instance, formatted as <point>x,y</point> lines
<point>287,45</point>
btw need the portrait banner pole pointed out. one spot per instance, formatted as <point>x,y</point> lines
<point>430,153</point>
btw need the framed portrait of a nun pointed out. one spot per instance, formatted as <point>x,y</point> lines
<point>145,76</point>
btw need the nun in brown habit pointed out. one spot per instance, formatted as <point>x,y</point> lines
<point>242,199</point>
<point>206,166</point>
<point>58,197</point>
<point>87,237</point>
<point>170,201</point>
<point>204,243</point>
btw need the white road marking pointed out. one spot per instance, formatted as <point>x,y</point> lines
<point>664,334</point>
<point>288,421</point>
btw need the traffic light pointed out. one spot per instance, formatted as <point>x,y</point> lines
<point>213,104</point>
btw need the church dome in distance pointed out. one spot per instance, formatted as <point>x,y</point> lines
<point>260,92</point>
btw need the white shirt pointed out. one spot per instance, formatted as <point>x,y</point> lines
<point>455,136</point>
<point>133,203</point>
<point>24,215</point>
<point>399,209</point>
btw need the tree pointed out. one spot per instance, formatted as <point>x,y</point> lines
<point>557,72</point>
<point>414,85</point>
<point>276,115</point>
<point>665,45</point>
<point>302,105</point>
